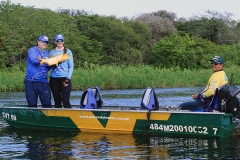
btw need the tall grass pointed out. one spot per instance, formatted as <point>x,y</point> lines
<point>11,80</point>
<point>113,77</point>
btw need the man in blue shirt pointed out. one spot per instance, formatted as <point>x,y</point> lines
<point>36,81</point>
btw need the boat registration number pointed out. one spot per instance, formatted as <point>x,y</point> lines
<point>180,128</point>
<point>9,116</point>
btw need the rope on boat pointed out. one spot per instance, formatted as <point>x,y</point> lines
<point>148,119</point>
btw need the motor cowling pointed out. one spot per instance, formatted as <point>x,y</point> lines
<point>229,99</point>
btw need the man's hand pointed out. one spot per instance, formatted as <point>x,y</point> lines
<point>195,96</point>
<point>198,96</point>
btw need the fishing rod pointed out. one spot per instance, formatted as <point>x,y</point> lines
<point>231,78</point>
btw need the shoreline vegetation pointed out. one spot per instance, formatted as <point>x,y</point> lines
<point>158,49</point>
<point>125,77</point>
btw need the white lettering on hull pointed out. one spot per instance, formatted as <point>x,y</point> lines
<point>180,128</point>
<point>9,116</point>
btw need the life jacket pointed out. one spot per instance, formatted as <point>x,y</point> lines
<point>91,99</point>
<point>226,99</point>
<point>149,100</point>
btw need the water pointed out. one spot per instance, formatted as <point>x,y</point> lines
<point>24,144</point>
<point>129,97</point>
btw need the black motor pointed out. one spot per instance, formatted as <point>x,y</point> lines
<point>228,99</point>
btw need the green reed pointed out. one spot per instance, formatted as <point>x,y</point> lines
<point>113,77</point>
<point>11,80</point>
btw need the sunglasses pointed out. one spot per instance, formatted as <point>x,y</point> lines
<point>46,42</point>
<point>60,40</point>
<point>214,63</point>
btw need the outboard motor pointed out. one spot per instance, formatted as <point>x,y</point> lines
<point>226,99</point>
<point>149,100</point>
<point>91,99</point>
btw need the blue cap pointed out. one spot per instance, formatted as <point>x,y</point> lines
<point>58,37</point>
<point>43,38</point>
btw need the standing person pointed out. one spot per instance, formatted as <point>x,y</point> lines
<point>60,78</point>
<point>217,79</point>
<point>36,82</point>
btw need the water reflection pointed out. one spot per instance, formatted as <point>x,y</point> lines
<point>22,144</point>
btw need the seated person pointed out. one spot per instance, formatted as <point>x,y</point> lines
<point>217,79</point>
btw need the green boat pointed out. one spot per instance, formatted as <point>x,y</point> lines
<point>148,119</point>
<point>121,120</point>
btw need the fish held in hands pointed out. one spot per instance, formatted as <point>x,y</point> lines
<point>54,60</point>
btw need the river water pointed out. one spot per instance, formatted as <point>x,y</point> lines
<point>24,144</point>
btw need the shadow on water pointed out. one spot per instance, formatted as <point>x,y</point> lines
<point>23,144</point>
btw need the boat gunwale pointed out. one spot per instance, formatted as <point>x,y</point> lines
<point>116,109</point>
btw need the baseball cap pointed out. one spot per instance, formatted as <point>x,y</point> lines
<point>43,38</point>
<point>218,59</point>
<point>58,37</point>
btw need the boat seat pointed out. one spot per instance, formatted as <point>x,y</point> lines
<point>147,97</point>
<point>149,100</point>
<point>91,99</point>
<point>85,100</point>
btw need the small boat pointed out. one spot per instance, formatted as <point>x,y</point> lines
<point>121,119</point>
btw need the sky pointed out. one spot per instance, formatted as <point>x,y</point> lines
<point>133,8</point>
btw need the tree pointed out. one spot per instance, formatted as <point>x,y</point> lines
<point>161,24</point>
<point>121,41</point>
<point>180,50</point>
<point>214,26</point>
